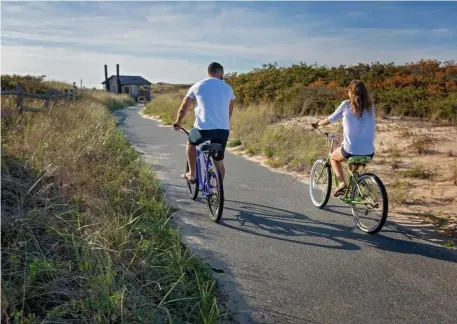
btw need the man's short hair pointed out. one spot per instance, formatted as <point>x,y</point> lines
<point>215,67</point>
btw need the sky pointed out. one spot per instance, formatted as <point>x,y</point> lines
<point>175,41</point>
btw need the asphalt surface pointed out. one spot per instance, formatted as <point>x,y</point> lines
<point>284,261</point>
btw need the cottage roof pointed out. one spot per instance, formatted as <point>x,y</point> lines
<point>130,80</point>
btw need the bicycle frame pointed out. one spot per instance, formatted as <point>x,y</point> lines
<point>204,184</point>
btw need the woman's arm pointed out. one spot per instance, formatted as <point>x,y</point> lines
<point>337,115</point>
<point>321,122</point>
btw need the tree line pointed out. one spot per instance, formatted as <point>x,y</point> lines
<point>425,89</point>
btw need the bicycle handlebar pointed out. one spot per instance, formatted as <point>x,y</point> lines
<point>328,135</point>
<point>184,130</point>
<point>325,134</point>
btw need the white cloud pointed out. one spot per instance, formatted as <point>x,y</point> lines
<point>72,65</point>
<point>73,43</point>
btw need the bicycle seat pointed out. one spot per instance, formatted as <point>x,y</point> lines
<point>359,160</point>
<point>210,147</point>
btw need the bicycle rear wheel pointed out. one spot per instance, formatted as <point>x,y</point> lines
<point>215,197</point>
<point>193,188</point>
<point>369,193</point>
<point>320,183</point>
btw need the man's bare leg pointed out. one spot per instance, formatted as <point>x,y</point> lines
<point>191,153</point>
<point>221,168</point>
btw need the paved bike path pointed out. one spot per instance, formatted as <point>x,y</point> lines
<point>286,261</point>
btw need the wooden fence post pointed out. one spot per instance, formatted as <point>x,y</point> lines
<point>49,103</point>
<point>73,92</point>
<point>20,97</point>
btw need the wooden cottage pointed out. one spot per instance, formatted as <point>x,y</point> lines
<point>135,86</point>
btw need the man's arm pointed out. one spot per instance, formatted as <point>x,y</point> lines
<point>232,104</point>
<point>185,105</point>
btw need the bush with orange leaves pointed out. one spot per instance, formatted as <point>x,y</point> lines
<point>419,89</point>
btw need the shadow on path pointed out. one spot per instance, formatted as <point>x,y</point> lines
<point>284,225</point>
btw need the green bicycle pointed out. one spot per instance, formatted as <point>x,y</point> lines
<point>363,192</point>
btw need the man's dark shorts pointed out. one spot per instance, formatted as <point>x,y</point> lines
<point>220,136</point>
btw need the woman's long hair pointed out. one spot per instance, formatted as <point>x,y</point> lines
<point>359,98</point>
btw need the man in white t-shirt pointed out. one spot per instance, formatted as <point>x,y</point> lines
<point>214,106</point>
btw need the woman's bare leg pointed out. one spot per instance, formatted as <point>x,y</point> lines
<point>336,159</point>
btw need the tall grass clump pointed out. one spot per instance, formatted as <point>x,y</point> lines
<point>419,171</point>
<point>165,107</point>
<point>112,101</point>
<point>85,230</point>
<point>161,87</point>
<point>454,173</point>
<point>256,128</point>
<point>248,126</point>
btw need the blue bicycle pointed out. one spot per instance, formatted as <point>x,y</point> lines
<point>209,181</point>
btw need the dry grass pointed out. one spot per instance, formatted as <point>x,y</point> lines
<point>234,143</point>
<point>423,152</point>
<point>421,144</point>
<point>162,88</point>
<point>419,172</point>
<point>165,107</point>
<point>454,173</point>
<point>449,244</point>
<point>85,230</point>
<point>399,189</point>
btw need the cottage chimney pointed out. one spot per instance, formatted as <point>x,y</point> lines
<point>106,78</point>
<point>118,79</point>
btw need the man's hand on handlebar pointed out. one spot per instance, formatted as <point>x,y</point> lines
<point>176,126</point>
<point>315,125</point>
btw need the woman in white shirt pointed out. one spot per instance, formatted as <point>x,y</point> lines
<point>359,121</point>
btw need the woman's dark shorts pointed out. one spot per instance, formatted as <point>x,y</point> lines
<point>348,155</point>
<point>220,136</point>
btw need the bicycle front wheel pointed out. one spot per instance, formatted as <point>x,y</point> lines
<point>320,183</point>
<point>215,197</point>
<point>369,203</point>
